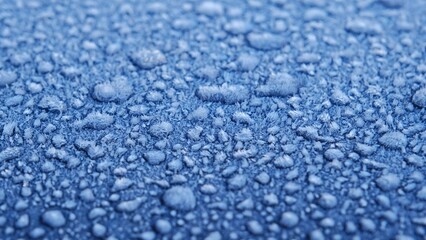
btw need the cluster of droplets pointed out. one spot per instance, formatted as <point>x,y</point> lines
<point>212,120</point>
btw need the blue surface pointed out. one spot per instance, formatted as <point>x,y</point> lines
<point>253,119</point>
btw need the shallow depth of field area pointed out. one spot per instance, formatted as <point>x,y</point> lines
<point>238,119</point>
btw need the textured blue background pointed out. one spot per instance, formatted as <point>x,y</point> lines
<point>256,119</point>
